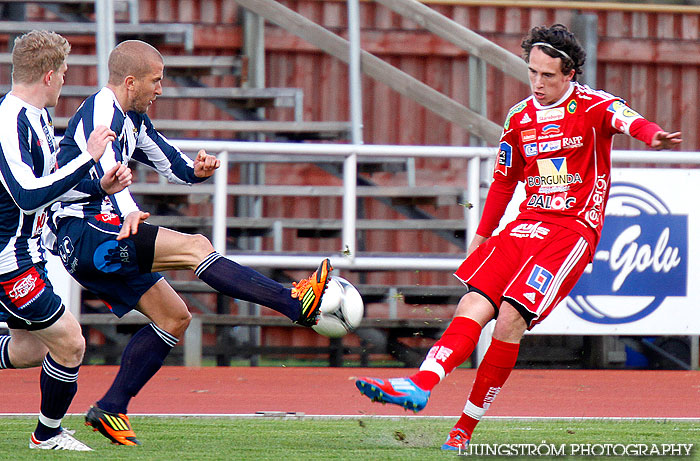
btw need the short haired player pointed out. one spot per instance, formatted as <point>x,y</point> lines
<point>107,246</point>
<point>558,141</point>
<point>42,331</point>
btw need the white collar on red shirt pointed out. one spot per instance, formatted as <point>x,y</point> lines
<point>561,100</point>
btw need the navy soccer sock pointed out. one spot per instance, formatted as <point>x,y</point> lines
<point>141,359</point>
<point>241,282</point>
<point>58,387</point>
<point>5,352</point>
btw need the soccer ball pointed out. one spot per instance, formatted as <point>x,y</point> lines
<point>341,309</point>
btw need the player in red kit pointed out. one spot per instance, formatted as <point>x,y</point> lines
<point>558,142</point>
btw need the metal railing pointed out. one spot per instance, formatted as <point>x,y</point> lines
<point>348,260</point>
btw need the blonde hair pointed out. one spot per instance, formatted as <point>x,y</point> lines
<point>36,53</point>
<point>132,57</point>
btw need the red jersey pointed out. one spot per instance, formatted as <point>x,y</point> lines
<point>562,153</point>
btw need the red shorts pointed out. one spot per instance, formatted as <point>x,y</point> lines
<point>531,264</point>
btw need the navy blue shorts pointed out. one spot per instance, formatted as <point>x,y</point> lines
<point>117,271</point>
<point>27,299</point>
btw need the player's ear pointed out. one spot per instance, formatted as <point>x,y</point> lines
<point>47,77</point>
<point>570,76</point>
<point>129,82</point>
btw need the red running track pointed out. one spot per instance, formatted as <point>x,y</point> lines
<point>331,391</point>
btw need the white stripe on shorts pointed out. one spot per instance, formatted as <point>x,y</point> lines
<point>569,263</point>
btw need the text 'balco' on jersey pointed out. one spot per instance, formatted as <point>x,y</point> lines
<point>562,154</point>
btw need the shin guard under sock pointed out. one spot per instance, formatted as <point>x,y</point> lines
<point>141,359</point>
<point>58,387</point>
<point>244,283</point>
<point>492,374</point>
<point>454,347</point>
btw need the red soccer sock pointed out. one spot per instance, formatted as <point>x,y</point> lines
<point>452,349</point>
<point>492,374</point>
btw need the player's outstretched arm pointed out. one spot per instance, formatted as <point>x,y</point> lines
<point>98,140</point>
<point>116,179</point>
<point>205,164</point>
<point>665,140</point>
<point>131,223</point>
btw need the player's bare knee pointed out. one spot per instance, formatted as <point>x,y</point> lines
<point>177,322</point>
<point>70,351</point>
<point>200,246</point>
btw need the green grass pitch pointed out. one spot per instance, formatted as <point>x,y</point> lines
<point>261,438</point>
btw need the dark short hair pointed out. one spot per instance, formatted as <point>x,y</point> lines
<point>563,45</point>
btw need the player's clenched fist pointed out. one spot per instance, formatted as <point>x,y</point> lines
<point>205,164</point>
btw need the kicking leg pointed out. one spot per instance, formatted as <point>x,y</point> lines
<point>175,250</point>
<point>454,346</point>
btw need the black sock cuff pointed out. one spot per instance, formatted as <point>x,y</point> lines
<point>208,261</point>
<point>5,352</point>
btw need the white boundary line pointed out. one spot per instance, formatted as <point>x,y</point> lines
<point>293,415</point>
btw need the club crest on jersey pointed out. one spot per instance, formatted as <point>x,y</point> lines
<point>25,288</point>
<point>504,159</point>
<point>550,115</point>
<point>571,107</point>
<point>540,279</point>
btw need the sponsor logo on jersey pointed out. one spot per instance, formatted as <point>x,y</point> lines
<point>553,176</point>
<point>623,116</point>
<point>550,115</point>
<point>551,129</point>
<point>529,230</point>
<point>642,256</point>
<point>594,215</point>
<point>514,110</point>
<point>530,149</point>
<point>504,159</point>
<point>540,279</point>
<point>572,142</point>
<point>49,137</point>
<point>25,288</point>
<point>557,201</point>
<point>571,107</point>
<point>110,256</point>
<point>550,146</point>
<point>526,119</point>
<point>528,135</point>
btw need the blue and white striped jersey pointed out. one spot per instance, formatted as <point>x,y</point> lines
<point>136,140</point>
<point>30,180</point>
